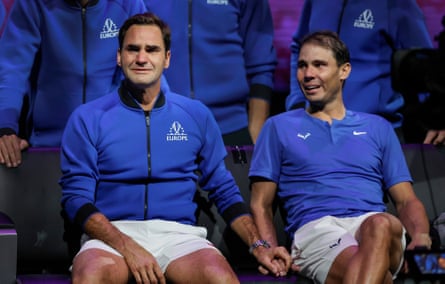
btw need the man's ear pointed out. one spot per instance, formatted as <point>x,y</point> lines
<point>167,59</point>
<point>118,58</point>
<point>345,70</point>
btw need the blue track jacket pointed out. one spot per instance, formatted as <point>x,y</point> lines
<point>223,54</point>
<point>372,30</point>
<point>69,53</point>
<point>135,165</point>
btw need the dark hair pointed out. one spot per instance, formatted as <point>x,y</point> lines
<point>146,19</point>
<point>329,40</point>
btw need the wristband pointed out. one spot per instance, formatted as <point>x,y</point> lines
<point>259,243</point>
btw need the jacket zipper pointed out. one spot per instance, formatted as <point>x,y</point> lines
<point>147,124</point>
<point>84,47</point>
<point>190,24</point>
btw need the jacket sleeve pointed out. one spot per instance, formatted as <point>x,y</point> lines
<point>409,29</point>
<point>256,29</point>
<point>216,179</point>
<point>296,99</point>
<point>19,44</point>
<point>79,168</point>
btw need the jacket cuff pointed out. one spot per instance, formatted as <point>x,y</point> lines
<point>261,92</point>
<point>84,213</point>
<point>235,211</point>
<point>7,131</point>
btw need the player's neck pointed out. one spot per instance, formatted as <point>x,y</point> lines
<point>328,112</point>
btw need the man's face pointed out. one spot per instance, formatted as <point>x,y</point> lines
<point>319,76</point>
<point>143,57</point>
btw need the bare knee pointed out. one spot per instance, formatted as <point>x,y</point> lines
<point>203,266</point>
<point>206,274</point>
<point>217,274</point>
<point>100,269</point>
<point>385,231</point>
<point>382,226</point>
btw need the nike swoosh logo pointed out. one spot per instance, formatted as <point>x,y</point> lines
<point>303,136</point>
<point>359,132</point>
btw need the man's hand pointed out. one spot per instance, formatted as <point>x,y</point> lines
<point>420,240</point>
<point>142,264</point>
<point>435,137</point>
<point>275,260</point>
<point>11,147</point>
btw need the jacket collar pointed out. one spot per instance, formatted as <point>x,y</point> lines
<point>128,96</point>
<point>76,2</point>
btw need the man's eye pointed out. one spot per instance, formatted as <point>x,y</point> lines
<point>150,49</point>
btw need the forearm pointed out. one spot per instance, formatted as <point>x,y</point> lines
<point>246,229</point>
<point>413,216</point>
<point>99,227</point>
<point>264,222</point>
<point>259,111</point>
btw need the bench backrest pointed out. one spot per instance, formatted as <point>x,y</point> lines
<point>30,195</point>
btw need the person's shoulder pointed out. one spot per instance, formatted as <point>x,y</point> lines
<point>290,114</point>
<point>99,104</point>
<point>366,115</point>
<point>184,101</point>
<point>369,118</point>
<point>283,120</point>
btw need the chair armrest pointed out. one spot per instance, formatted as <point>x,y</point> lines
<point>8,249</point>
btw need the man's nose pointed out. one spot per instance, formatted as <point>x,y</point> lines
<point>141,57</point>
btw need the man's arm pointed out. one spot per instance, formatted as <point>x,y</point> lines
<point>273,259</point>
<point>259,110</point>
<point>140,262</point>
<point>262,197</point>
<point>261,201</point>
<point>256,29</point>
<point>412,214</point>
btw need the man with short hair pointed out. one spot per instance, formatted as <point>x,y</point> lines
<point>130,162</point>
<point>331,167</point>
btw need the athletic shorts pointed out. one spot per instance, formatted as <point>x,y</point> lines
<point>165,240</point>
<point>317,244</point>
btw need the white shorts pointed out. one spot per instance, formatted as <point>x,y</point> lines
<point>317,244</point>
<point>165,240</point>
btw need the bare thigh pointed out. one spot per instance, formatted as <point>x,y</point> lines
<point>201,266</point>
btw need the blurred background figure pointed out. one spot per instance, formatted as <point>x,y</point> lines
<point>55,56</point>
<point>224,56</point>
<point>373,30</point>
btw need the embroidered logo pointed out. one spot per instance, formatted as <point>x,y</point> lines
<point>365,20</point>
<point>303,136</point>
<point>176,132</point>
<point>335,244</point>
<point>109,29</point>
<point>359,132</point>
<point>218,2</point>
